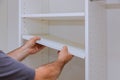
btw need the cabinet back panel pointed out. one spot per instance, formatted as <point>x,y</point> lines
<point>58,6</point>
<point>52,6</point>
<point>31,26</point>
<point>35,6</point>
<point>70,30</point>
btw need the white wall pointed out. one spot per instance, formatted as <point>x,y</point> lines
<point>113,18</point>
<point>3,25</point>
<point>13,30</point>
<point>8,25</point>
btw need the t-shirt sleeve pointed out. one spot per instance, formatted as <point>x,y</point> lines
<point>11,69</point>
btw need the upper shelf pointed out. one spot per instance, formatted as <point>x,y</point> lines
<point>56,16</point>
<point>57,43</point>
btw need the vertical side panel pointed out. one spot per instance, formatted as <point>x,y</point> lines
<point>96,43</point>
<point>20,21</point>
<point>113,46</point>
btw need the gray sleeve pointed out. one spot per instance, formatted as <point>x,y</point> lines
<point>11,69</point>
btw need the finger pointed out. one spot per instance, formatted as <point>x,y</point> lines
<point>39,45</point>
<point>37,48</point>
<point>41,48</point>
<point>34,39</point>
<point>65,49</point>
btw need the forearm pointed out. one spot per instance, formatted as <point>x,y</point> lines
<point>50,71</point>
<point>19,54</point>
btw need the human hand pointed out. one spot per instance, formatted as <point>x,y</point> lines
<point>64,55</point>
<point>32,47</point>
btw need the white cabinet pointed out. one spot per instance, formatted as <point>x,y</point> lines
<point>78,24</point>
<point>58,22</point>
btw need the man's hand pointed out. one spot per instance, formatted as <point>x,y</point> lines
<point>32,47</point>
<point>52,70</point>
<point>64,55</point>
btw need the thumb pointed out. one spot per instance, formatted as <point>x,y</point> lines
<point>34,39</point>
<point>65,49</point>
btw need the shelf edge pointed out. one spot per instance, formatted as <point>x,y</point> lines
<point>49,43</point>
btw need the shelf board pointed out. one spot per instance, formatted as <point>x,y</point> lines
<point>56,16</point>
<point>57,43</point>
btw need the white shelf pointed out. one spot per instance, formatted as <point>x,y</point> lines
<point>57,43</point>
<point>56,16</point>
